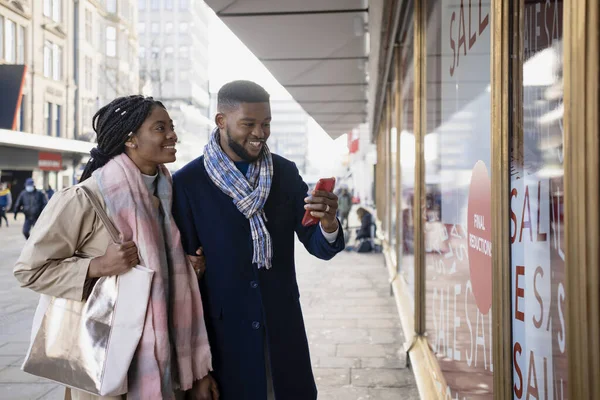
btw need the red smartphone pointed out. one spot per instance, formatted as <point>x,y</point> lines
<point>326,184</point>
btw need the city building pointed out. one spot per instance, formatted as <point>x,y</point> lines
<point>173,57</point>
<point>106,65</point>
<point>289,128</point>
<point>75,58</point>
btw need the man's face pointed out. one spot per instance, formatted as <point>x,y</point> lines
<point>245,130</point>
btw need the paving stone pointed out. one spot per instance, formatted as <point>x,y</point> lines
<point>332,376</point>
<point>57,393</point>
<point>330,323</point>
<point>383,362</point>
<point>384,336</point>
<point>5,361</point>
<point>381,377</point>
<point>361,350</point>
<point>15,375</point>
<point>337,362</point>
<point>378,323</point>
<point>25,391</point>
<point>14,348</point>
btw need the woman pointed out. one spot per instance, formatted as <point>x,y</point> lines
<point>70,246</point>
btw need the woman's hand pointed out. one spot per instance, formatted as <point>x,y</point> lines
<point>205,389</point>
<point>198,262</point>
<point>118,259</point>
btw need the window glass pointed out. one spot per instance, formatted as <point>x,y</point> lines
<point>406,262</point>
<point>457,208</point>
<point>537,212</point>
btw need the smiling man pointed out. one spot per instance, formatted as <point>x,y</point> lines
<point>243,205</point>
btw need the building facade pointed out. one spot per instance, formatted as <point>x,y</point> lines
<point>106,65</point>
<point>75,55</point>
<point>173,58</point>
<point>289,129</point>
<point>486,192</point>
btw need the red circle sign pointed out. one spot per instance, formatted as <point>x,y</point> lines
<point>479,230</point>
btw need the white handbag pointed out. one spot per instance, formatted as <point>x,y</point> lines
<point>89,345</point>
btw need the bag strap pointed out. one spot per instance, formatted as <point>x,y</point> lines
<point>110,226</point>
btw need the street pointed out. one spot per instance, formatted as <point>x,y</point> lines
<point>352,323</point>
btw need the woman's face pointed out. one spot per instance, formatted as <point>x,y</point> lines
<point>154,142</point>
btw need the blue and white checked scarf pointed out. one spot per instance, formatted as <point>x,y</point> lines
<point>249,193</point>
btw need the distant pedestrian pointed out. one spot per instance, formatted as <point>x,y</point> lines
<point>5,202</point>
<point>31,202</point>
<point>345,204</point>
<point>49,192</point>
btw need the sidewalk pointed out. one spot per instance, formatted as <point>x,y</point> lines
<point>352,323</point>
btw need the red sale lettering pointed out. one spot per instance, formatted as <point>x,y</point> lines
<point>513,217</point>
<point>561,303</point>
<point>520,293</point>
<point>462,40</point>
<point>468,289</point>
<point>452,44</point>
<point>538,323</point>
<point>526,224</point>
<point>460,35</point>
<point>483,23</point>
<point>518,389</point>
<point>532,384</point>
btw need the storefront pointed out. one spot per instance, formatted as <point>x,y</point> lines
<point>50,161</point>
<point>487,191</point>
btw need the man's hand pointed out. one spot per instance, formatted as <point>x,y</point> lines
<point>205,389</point>
<point>198,262</point>
<point>323,205</point>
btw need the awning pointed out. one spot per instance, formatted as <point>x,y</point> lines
<point>317,49</point>
<point>43,142</point>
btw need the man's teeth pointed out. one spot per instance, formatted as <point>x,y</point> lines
<point>256,144</point>
<point>169,147</point>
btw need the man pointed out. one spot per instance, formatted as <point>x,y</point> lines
<point>5,202</point>
<point>31,202</point>
<point>345,202</point>
<point>242,205</point>
<point>49,192</point>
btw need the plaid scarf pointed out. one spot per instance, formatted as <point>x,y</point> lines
<point>249,193</point>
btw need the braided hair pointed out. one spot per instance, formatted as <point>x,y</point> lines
<point>114,124</point>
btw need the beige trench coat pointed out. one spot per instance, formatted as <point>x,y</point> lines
<point>56,258</point>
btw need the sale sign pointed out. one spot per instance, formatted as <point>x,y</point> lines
<point>479,220</point>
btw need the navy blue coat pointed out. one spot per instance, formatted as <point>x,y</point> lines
<point>246,308</point>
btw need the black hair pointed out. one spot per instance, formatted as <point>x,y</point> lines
<point>114,123</point>
<point>232,94</point>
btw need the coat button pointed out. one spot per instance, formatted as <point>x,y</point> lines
<point>255,325</point>
<point>253,284</point>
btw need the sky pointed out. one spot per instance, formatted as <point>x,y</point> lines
<point>324,154</point>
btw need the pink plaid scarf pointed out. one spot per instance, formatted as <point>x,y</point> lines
<point>153,374</point>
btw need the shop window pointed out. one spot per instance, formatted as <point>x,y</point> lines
<point>406,239</point>
<point>457,205</point>
<point>537,211</point>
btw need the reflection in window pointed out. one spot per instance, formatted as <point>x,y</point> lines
<point>457,148</point>
<point>406,262</point>
<point>537,204</point>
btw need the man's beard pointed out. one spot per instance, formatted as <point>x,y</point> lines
<point>239,150</point>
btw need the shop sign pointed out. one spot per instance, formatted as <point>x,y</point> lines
<point>479,213</point>
<point>50,161</point>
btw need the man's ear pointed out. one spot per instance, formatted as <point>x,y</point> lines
<point>220,120</point>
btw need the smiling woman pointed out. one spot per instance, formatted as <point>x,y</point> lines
<point>131,192</point>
